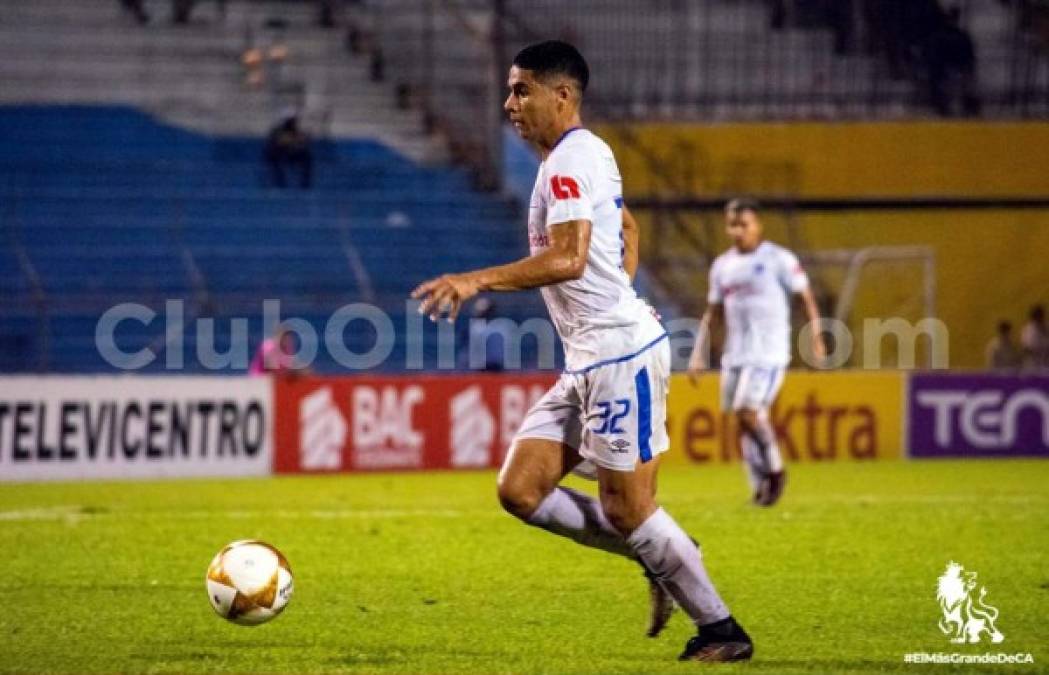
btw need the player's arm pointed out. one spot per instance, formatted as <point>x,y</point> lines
<point>631,243</point>
<point>794,280</point>
<point>812,316</point>
<point>564,260</point>
<point>698,362</point>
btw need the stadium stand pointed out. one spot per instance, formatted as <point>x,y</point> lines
<point>130,156</point>
<point>106,205</point>
<point>711,61</point>
<point>131,171</point>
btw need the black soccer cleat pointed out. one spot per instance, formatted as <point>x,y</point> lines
<point>721,641</point>
<point>759,493</point>
<point>771,489</point>
<point>661,604</point>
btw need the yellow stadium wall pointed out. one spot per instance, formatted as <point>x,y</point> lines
<point>912,159</point>
<point>818,417</point>
<point>991,264</point>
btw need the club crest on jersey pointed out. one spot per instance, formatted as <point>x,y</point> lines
<point>564,187</point>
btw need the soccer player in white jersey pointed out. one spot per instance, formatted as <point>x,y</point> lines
<point>608,408</point>
<point>751,288</point>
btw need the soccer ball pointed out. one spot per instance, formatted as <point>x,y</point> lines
<point>249,582</point>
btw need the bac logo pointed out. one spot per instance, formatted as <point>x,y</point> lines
<point>564,187</point>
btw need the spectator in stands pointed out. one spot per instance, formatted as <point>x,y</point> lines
<point>289,146</point>
<point>950,60</point>
<point>326,16</point>
<point>918,20</point>
<point>1002,353</point>
<point>137,9</point>
<point>839,17</point>
<point>880,17</point>
<point>1034,340</point>
<point>898,28</point>
<point>834,14</point>
<point>181,10</point>
<point>276,355</point>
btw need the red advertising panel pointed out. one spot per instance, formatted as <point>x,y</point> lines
<point>333,424</point>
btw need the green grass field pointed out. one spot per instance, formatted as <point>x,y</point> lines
<point>423,573</point>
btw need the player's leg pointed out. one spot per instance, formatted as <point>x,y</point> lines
<point>628,502</point>
<point>674,558</point>
<point>756,390</point>
<point>541,455</point>
<point>624,435</point>
<point>528,489</point>
<point>730,381</point>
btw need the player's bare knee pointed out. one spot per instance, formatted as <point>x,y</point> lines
<point>624,515</point>
<point>517,498</point>
<point>748,419</point>
<point>616,514</point>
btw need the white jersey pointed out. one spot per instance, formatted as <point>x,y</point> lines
<point>598,316</point>
<point>755,289</point>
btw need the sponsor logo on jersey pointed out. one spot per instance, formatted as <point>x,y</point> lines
<point>564,187</point>
<point>743,288</point>
<point>538,239</point>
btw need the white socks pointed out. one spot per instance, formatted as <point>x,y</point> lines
<point>667,551</point>
<point>753,462</point>
<point>580,518</point>
<point>761,454</point>
<point>660,544</point>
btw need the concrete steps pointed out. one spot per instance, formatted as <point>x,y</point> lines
<point>88,51</point>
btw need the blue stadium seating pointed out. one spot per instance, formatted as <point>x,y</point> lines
<point>107,205</point>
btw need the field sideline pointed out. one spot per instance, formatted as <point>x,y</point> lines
<point>423,573</point>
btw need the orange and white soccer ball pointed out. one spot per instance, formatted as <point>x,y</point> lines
<point>249,582</point>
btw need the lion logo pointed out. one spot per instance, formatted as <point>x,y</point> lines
<point>965,618</point>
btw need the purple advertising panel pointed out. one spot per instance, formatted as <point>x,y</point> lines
<point>982,415</point>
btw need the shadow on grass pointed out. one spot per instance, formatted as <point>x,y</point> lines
<point>359,659</point>
<point>177,657</point>
<point>829,665</point>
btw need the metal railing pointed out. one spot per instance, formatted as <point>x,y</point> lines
<point>703,60</point>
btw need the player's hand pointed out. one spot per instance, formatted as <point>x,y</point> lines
<point>819,350</point>
<point>695,370</point>
<point>445,295</point>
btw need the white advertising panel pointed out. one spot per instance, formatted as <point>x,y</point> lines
<point>71,428</point>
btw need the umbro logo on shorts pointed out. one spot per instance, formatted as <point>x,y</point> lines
<point>620,444</point>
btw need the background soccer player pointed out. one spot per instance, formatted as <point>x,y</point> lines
<point>751,288</point>
<point>609,406</point>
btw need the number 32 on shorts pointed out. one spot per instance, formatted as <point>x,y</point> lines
<point>611,413</point>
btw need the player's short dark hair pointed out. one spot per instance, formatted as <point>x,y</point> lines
<point>740,204</point>
<point>554,57</point>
